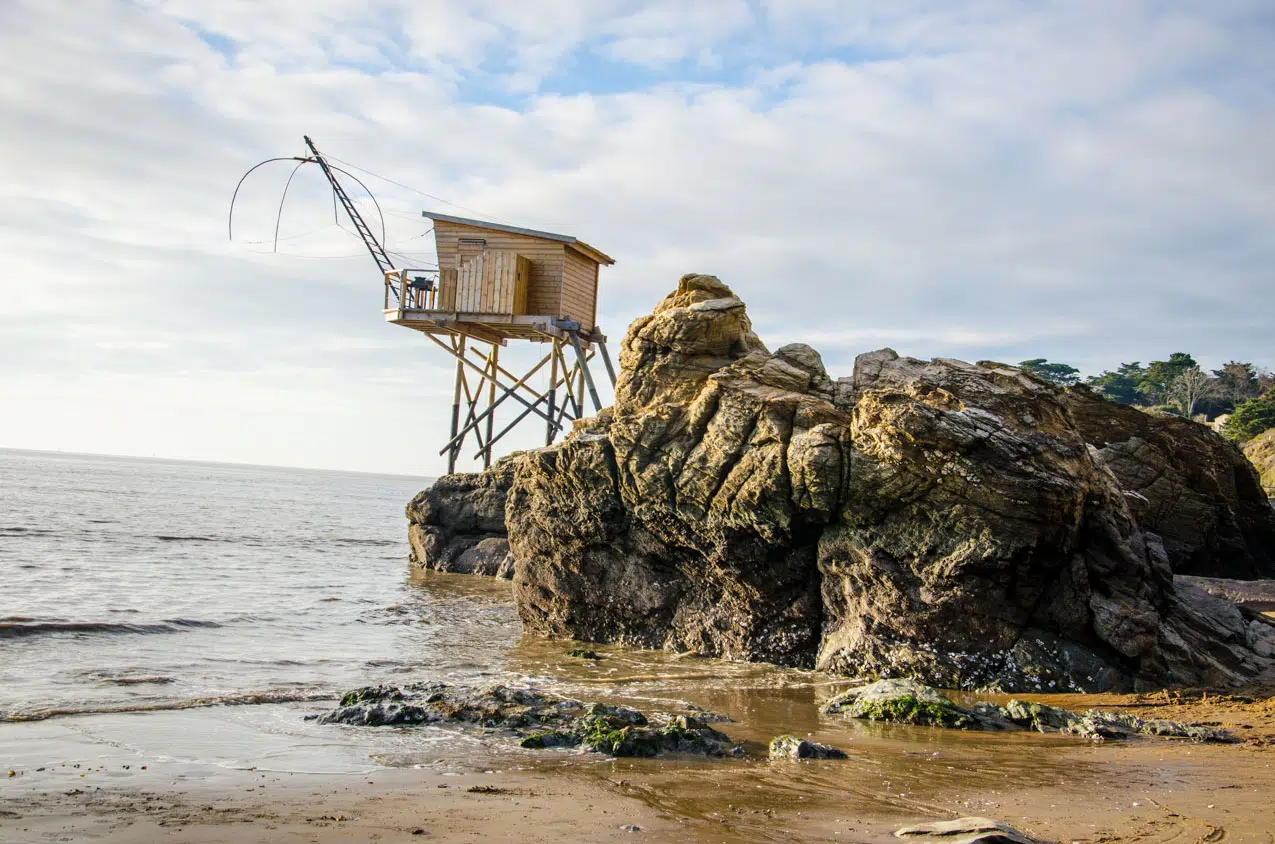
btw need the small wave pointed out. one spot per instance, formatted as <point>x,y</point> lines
<point>21,531</point>
<point>16,627</point>
<point>157,680</point>
<point>165,538</point>
<point>237,699</point>
<point>380,543</point>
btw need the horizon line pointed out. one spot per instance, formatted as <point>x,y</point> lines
<point>50,451</point>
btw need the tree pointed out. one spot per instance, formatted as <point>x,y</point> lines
<point>1120,386</point>
<point>1236,381</point>
<point>1055,373</point>
<point>1187,389</point>
<point>1265,381</point>
<point>1251,418</point>
<point>1158,379</point>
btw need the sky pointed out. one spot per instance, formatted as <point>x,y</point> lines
<point>1088,181</point>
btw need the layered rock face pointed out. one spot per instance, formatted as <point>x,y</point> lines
<point>458,524</point>
<point>1191,487</point>
<point>933,519</point>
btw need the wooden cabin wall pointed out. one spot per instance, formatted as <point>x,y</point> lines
<point>580,288</point>
<point>544,293</point>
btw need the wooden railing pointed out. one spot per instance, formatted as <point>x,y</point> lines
<point>409,290</point>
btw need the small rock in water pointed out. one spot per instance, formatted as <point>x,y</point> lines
<point>631,827</point>
<point>969,831</point>
<point>581,653</point>
<point>792,747</point>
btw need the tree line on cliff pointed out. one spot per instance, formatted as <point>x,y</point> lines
<point>1241,392</point>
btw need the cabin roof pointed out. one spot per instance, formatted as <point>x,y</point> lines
<point>575,243</point>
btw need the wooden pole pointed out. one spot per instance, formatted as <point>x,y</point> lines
<point>491,402</point>
<point>606,359</point>
<point>551,430</point>
<point>584,371</point>
<point>458,349</point>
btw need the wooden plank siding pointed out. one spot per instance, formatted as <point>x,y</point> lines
<point>446,289</point>
<point>491,282</point>
<point>546,257</point>
<point>580,288</point>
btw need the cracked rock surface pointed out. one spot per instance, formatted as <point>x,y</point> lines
<point>936,519</point>
<point>458,524</point>
<point>965,524</point>
<point>1196,490</point>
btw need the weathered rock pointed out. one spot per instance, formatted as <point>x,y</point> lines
<point>910,702</point>
<point>1260,451</point>
<point>965,831</point>
<point>938,519</point>
<point>1185,483</point>
<point>1255,595</point>
<point>792,747</point>
<point>539,720</point>
<point>458,524</point>
<point>902,702</point>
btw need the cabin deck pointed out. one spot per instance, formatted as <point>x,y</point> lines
<point>489,327</point>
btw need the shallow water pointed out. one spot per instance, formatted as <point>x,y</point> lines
<point>132,584</point>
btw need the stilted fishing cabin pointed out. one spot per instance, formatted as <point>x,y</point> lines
<point>494,284</point>
<point>497,283</point>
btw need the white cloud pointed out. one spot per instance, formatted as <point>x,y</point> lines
<point>1091,182</point>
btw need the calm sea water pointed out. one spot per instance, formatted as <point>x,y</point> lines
<point>130,584</point>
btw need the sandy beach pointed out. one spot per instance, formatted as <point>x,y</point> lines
<point>1053,788</point>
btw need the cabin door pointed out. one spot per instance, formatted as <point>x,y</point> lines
<point>469,277</point>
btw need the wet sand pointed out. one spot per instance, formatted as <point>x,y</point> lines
<point>1052,787</point>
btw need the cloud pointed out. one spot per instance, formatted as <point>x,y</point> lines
<point>1085,181</point>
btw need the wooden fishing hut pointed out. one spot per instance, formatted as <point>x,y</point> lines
<point>496,283</point>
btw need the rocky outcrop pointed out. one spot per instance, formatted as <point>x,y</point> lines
<point>1261,453</point>
<point>910,702</point>
<point>936,519</point>
<point>458,524</point>
<point>538,720</point>
<point>1254,595</point>
<point>1185,483</point>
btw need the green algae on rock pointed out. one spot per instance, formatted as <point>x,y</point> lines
<point>537,719</point>
<point>902,702</point>
<point>581,653</point>
<point>911,702</point>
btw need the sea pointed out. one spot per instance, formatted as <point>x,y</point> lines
<point>197,612</point>
<point>132,584</point>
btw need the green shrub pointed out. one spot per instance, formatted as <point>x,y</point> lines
<point>1251,418</point>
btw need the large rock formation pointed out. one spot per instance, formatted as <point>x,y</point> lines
<point>933,519</point>
<point>1261,453</point>
<point>458,524</point>
<point>1191,487</point>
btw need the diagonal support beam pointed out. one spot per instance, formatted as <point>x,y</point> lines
<point>584,367</point>
<point>479,370</point>
<point>473,422</point>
